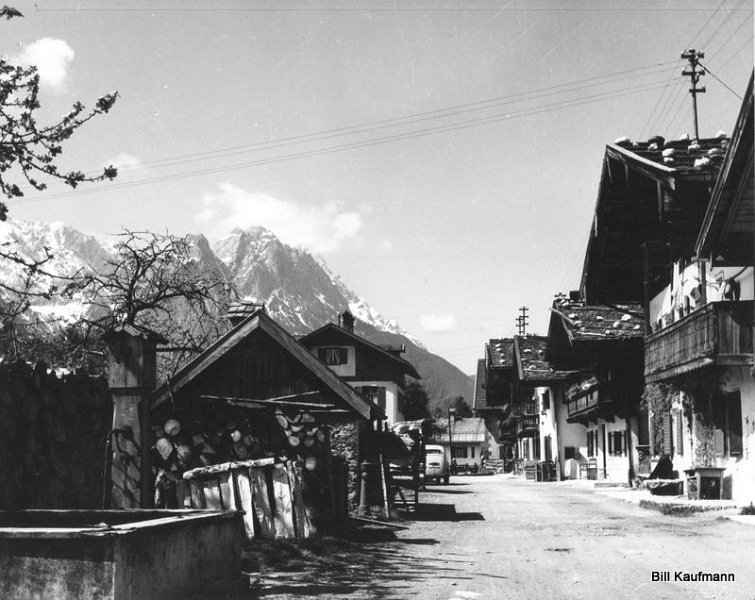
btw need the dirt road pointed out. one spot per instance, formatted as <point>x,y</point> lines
<point>494,537</point>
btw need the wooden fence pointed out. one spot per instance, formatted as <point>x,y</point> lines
<point>268,491</point>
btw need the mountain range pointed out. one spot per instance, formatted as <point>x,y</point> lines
<point>298,289</point>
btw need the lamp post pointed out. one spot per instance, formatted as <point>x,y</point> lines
<point>451,413</point>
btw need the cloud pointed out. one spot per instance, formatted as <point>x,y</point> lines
<point>321,229</point>
<point>437,323</point>
<point>51,57</point>
<point>124,161</point>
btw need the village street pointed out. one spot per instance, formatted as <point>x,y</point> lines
<point>498,537</point>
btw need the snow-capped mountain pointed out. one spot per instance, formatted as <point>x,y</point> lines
<point>299,291</point>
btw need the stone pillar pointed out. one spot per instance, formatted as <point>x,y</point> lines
<point>132,369</point>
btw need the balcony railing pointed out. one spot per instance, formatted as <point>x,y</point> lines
<point>582,403</point>
<point>719,333</point>
<point>527,424</point>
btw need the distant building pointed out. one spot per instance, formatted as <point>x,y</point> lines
<point>377,372</point>
<point>469,443</point>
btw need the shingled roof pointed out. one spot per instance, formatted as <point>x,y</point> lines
<point>501,353</point>
<point>600,322</point>
<point>675,156</point>
<point>531,364</point>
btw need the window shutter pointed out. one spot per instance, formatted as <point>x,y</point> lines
<point>381,397</point>
<point>718,442</point>
<point>679,445</point>
<point>667,441</point>
<point>611,443</point>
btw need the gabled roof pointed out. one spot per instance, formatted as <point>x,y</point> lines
<point>480,389</point>
<point>599,322</point>
<point>259,323</point>
<point>500,353</point>
<point>684,157</point>
<point>530,360</point>
<point>730,211</point>
<point>466,430</point>
<point>309,341</point>
<point>648,211</point>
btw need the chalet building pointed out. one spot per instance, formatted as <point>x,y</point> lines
<point>699,356</point>
<point>377,372</point>
<point>542,389</point>
<point>469,443</point>
<point>494,383</point>
<point>255,368</point>
<point>602,420</point>
<point>652,198</point>
<point>538,392</point>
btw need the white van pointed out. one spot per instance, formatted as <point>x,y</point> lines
<point>436,464</point>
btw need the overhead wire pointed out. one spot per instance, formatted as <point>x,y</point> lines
<point>402,120</point>
<point>364,143</point>
<point>707,69</point>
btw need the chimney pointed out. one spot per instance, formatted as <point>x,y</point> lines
<point>346,321</point>
<point>240,310</point>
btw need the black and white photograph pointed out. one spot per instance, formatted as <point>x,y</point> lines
<point>377,300</point>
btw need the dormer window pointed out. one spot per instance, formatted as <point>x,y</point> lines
<point>333,356</point>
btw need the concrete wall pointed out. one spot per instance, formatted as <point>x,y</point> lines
<point>136,561</point>
<point>739,482</point>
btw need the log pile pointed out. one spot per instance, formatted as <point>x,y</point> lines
<point>189,439</point>
<point>52,437</point>
<point>208,438</point>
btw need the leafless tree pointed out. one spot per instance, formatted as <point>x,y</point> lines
<point>157,281</point>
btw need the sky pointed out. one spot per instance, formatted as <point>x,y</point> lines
<point>442,156</point>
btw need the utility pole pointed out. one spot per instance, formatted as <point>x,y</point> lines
<point>693,56</point>
<point>521,321</point>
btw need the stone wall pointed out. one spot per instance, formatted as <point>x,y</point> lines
<point>53,433</point>
<point>345,439</point>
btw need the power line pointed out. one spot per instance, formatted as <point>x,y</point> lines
<point>405,119</point>
<point>362,144</point>
<point>712,74</point>
<point>368,9</point>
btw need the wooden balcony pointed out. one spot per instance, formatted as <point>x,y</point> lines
<point>586,407</point>
<point>719,333</point>
<point>527,425</point>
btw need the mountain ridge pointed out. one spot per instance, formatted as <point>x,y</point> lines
<point>299,290</point>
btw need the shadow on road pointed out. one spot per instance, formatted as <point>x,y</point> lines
<point>445,490</point>
<point>444,512</point>
<point>335,567</point>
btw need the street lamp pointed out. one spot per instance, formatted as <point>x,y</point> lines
<point>451,413</point>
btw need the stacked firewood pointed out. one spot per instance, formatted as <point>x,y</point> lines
<point>182,444</point>
<point>187,443</point>
<point>305,437</point>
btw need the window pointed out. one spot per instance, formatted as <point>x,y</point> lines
<point>374,394</point>
<point>472,452</point>
<point>333,356</point>
<point>616,443</point>
<point>727,422</point>
<point>458,452</point>
<point>546,400</point>
<point>592,443</point>
<point>679,433</point>
<point>548,449</point>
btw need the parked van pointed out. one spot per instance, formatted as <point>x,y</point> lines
<point>436,464</point>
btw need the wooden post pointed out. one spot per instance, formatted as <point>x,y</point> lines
<point>131,378</point>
